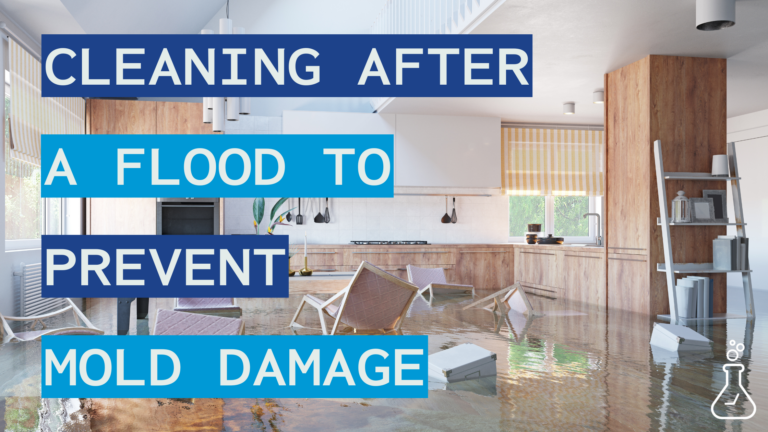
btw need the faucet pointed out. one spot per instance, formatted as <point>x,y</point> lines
<point>598,238</point>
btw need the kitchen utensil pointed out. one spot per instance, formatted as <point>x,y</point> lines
<point>319,218</point>
<point>327,213</point>
<point>454,219</point>
<point>534,228</point>
<point>531,238</point>
<point>289,216</point>
<point>549,240</point>
<point>720,165</point>
<point>446,219</point>
<point>299,217</point>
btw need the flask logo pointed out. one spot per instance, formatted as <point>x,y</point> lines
<point>733,402</point>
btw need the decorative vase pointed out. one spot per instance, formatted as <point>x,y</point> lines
<point>305,271</point>
<point>681,209</point>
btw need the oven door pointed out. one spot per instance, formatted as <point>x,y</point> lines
<point>187,216</point>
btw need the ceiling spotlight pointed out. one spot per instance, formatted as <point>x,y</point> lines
<point>715,14</point>
<point>569,108</point>
<point>598,97</point>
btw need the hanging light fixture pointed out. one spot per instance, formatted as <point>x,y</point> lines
<point>245,102</point>
<point>207,101</point>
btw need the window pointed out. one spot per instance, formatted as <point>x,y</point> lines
<point>560,215</point>
<point>22,192</point>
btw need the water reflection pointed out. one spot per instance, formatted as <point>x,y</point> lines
<point>590,370</point>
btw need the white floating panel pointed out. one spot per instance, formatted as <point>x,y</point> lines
<point>672,337</point>
<point>461,363</point>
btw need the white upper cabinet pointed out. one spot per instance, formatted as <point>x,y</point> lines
<point>448,151</point>
<point>430,150</point>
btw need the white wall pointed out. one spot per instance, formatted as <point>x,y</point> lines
<point>480,219</point>
<point>750,132</point>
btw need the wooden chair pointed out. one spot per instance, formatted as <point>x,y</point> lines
<point>373,301</point>
<point>33,335</point>
<point>510,298</point>
<point>225,307</point>
<point>433,280</point>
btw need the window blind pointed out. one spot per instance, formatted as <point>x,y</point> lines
<point>552,162</point>
<point>32,115</point>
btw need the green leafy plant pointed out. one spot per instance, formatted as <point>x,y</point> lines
<point>259,206</point>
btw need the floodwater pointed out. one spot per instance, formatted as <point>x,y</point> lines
<point>576,368</point>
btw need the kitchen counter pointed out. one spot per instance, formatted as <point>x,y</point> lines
<point>579,247</point>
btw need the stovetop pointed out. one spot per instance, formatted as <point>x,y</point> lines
<point>389,242</point>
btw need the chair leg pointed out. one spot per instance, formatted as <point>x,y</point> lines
<point>298,311</point>
<point>322,322</point>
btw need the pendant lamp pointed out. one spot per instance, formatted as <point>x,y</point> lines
<point>207,101</point>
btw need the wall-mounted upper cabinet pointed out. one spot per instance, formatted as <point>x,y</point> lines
<point>430,151</point>
<point>448,151</point>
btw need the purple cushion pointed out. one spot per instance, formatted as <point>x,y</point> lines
<point>182,323</point>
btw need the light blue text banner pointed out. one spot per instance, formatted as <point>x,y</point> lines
<point>234,366</point>
<point>226,166</point>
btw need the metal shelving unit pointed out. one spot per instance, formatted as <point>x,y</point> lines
<point>669,266</point>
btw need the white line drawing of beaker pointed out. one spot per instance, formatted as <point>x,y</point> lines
<point>733,395</point>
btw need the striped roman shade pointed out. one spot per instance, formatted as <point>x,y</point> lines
<point>552,162</point>
<point>32,115</point>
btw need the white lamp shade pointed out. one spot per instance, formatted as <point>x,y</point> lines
<point>218,113</point>
<point>233,108</point>
<point>598,97</point>
<point>225,26</point>
<point>715,14</point>
<point>569,108</point>
<point>207,110</point>
<point>245,105</point>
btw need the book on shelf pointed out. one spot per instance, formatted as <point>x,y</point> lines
<point>730,253</point>
<point>687,298</point>
<point>695,297</point>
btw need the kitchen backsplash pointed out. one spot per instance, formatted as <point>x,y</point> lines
<point>480,219</point>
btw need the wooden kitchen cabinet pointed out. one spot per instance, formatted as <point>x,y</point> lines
<point>584,277</point>
<point>485,268</point>
<point>120,215</point>
<point>130,117</point>
<point>537,267</point>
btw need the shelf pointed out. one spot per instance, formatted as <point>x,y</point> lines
<point>717,317</point>
<point>696,268</point>
<point>703,224</point>
<point>696,176</point>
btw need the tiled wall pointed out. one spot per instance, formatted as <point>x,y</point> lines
<point>480,219</point>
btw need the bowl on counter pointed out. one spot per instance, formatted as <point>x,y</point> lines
<point>531,238</point>
<point>534,228</point>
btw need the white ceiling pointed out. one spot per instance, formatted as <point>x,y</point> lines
<point>301,16</point>
<point>576,42</point>
<point>142,16</point>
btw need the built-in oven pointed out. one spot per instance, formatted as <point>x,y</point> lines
<point>187,216</point>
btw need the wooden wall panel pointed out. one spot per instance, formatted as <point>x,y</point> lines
<point>182,118</point>
<point>682,102</point>
<point>627,158</point>
<point>688,115</point>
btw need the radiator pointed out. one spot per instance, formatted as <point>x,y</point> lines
<point>32,304</point>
